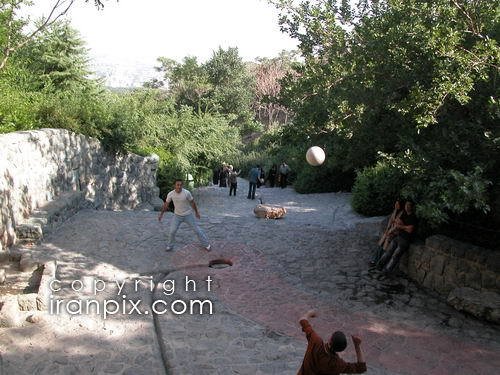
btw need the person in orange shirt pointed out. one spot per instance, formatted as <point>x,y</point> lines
<point>321,358</point>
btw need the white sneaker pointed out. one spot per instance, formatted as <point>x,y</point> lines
<point>169,248</point>
<point>208,248</point>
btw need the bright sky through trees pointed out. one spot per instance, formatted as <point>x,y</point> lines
<point>134,33</point>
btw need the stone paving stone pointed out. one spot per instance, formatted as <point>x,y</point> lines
<point>315,257</point>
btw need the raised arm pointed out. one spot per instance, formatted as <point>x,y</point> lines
<point>308,315</point>
<point>357,346</point>
<point>307,328</point>
<point>358,367</point>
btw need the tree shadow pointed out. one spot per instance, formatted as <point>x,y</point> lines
<point>93,349</point>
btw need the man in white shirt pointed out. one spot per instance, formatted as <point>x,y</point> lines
<point>184,205</point>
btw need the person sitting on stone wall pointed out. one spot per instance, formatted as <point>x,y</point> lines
<point>322,358</point>
<point>406,226</point>
<point>389,233</point>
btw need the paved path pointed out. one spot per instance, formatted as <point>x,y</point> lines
<point>314,258</point>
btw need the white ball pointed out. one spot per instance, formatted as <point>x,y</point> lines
<point>315,156</point>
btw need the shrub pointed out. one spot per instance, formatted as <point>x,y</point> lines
<point>168,170</point>
<point>376,188</point>
<point>443,193</point>
<point>325,178</point>
<point>17,109</point>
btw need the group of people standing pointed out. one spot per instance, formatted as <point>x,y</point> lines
<point>396,238</point>
<point>278,175</point>
<point>257,178</point>
<point>225,176</point>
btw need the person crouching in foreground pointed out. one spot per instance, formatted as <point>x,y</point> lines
<point>322,357</point>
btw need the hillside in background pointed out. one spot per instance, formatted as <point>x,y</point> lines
<point>127,74</point>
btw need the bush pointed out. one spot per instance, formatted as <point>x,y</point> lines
<point>17,109</point>
<point>168,170</point>
<point>57,113</point>
<point>376,188</point>
<point>443,193</point>
<point>325,178</point>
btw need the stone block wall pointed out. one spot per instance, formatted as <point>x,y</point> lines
<point>467,276</point>
<point>443,264</point>
<point>38,166</point>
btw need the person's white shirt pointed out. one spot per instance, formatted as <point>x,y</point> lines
<point>182,202</point>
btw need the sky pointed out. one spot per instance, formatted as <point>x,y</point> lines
<point>125,38</point>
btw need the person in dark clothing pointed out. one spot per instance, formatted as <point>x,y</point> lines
<point>253,177</point>
<point>215,176</point>
<point>233,180</point>
<point>284,170</point>
<point>271,176</point>
<point>322,358</point>
<point>223,176</point>
<point>406,226</point>
<point>260,180</point>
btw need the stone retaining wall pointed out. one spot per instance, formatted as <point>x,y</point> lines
<point>467,276</point>
<point>38,166</point>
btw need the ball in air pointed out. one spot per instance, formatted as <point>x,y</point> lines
<point>315,156</point>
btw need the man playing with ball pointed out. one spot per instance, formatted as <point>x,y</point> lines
<point>322,358</point>
<point>183,213</point>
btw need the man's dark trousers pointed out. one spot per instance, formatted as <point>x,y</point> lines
<point>232,188</point>
<point>283,180</point>
<point>252,186</point>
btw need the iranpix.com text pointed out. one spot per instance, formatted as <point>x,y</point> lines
<point>89,290</point>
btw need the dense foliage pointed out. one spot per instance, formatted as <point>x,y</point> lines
<point>375,189</point>
<point>221,85</point>
<point>412,84</point>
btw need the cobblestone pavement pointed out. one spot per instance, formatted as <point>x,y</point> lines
<point>316,257</point>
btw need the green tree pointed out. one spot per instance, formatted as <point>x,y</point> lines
<point>411,81</point>
<point>222,85</point>
<point>12,37</point>
<point>233,86</point>
<point>58,59</point>
<point>187,82</point>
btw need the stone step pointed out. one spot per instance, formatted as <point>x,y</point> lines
<point>49,216</point>
<point>29,232</point>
